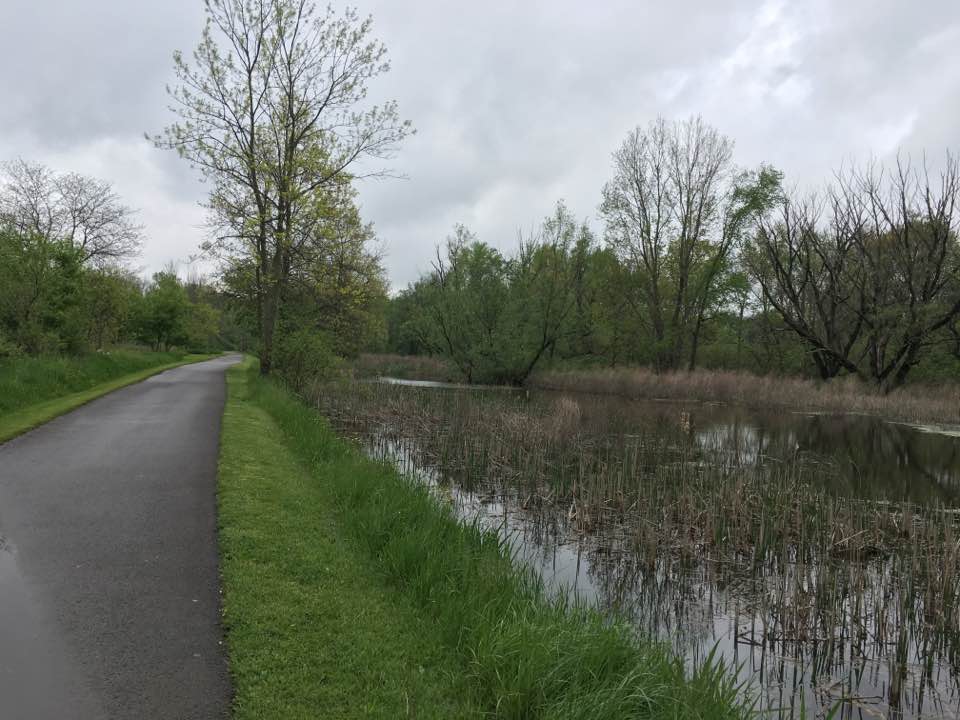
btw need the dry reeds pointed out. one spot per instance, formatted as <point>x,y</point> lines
<point>914,403</point>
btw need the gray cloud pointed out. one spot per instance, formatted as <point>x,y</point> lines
<point>516,105</point>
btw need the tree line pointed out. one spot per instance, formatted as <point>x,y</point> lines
<point>65,287</point>
<point>858,278</point>
<point>698,262</point>
<point>271,108</point>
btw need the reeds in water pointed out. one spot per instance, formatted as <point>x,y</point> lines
<point>681,533</point>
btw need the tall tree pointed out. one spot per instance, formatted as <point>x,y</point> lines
<point>272,110</point>
<point>673,212</point>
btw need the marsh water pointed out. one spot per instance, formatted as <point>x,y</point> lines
<point>845,600</point>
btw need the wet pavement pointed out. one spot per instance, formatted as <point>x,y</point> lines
<point>109,582</point>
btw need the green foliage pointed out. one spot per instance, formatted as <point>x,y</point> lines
<point>110,296</point>
<point>39,277</point>
<point>201,327</point>
<point>304,355</point>
<point>563,300</point>
<point>166,316</point>
<point>162,313</point>
<point>7,347</point>
<point>51,301</point>
<point>498,318</point>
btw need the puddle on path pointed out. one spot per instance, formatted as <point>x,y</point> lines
<point>36,679</point>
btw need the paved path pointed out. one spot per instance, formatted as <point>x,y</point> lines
<point>109,587</point>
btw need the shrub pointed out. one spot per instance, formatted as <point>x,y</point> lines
<point>304,355</point>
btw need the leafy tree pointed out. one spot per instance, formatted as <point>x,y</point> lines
<point>39,282</point>
<point>271,109</point>
<point>109,296</point>
<point>164,312</point>
<point>201,327</point>
<point>498,318</point>
<point>674,211</point>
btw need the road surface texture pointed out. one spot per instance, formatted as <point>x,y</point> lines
<point>109,586</point>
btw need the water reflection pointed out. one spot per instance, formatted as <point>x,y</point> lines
<point>869,458</point>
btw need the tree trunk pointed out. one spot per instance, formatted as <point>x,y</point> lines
<point>267,327</point>
<point>695,343</point>
<point>740,338</point>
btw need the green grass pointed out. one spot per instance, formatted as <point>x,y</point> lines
<point>34,390</point>
<point>311,630</point>
<point>295,499</point>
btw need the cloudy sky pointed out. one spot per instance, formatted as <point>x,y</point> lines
<point>516,105</point>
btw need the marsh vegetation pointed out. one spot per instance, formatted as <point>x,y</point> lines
<point>817,552</point>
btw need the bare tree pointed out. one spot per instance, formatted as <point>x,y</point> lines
<point>807,274</point>
<point>68,207</point>
<point>868,275</point>
<point>270,110</point>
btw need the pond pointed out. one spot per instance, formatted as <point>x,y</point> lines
<point>819,555</point>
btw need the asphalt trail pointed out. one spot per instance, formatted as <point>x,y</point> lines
<point>109,583</point>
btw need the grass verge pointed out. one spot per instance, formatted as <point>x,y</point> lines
<point>36,390</point>
<point>296,500</point>
<point>311,630</point>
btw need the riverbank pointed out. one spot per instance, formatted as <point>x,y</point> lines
<point>352,592</point>
<point>34,390</point>
<point>913,403</point>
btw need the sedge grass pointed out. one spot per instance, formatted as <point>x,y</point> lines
<point>916,403</point>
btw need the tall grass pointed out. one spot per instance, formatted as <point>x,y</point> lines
<point>406,367</point>
<point>525,655</point>
<point>912,403</point>
<point>28,380</point>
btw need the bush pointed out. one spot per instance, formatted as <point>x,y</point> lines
<point>8,348</point>
<point>303,356</point>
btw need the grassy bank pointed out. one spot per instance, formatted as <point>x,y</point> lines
<point>311,630</point>
<point>34,390</point>
<point>343,579</point>
<point>918,402</point>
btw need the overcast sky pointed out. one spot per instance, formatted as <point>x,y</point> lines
<point>516,104</point>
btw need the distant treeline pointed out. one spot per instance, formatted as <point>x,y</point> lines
<point>64,285</point>
<point>705,264</point>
